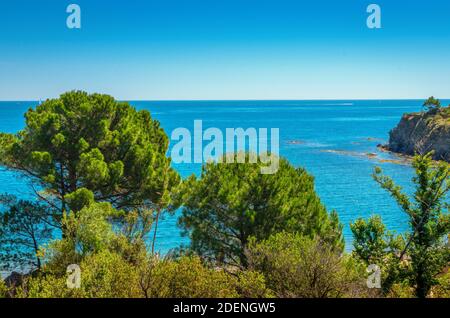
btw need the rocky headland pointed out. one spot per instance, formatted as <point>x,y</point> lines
<point>420,133</point>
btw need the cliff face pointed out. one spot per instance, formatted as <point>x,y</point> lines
<point>421,133</point>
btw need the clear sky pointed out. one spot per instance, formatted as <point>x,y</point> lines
<point>225,49</point>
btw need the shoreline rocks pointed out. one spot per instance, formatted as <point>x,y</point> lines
<point>420,133</point>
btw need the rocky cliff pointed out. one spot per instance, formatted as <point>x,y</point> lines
<point>422,133</point>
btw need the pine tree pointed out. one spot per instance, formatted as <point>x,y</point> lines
<point>233,202</point>
<point>80,147</point>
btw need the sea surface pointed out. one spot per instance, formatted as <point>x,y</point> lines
<point>336,141</point>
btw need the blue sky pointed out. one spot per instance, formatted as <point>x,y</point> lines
<point>225,49</point>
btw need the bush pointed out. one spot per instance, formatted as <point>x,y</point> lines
<point>113,267</point>
<point>87,232</point>
<point>103,275</point>
<point>297,266</point>
<point>108,275</point>
<point>3,289</point>
<point>46,286</point>
<point>185,278</point>
<point>400,290</point>
<point>442,289</point>
<point>252,284</point>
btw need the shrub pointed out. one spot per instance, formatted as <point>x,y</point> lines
<point>252,284</point>
<point>103,275</point>
<point>297,266</point>
<point>87,232</point>
<point>442,289</point>
<point>46,286</point>
<point>108,275</point>
<point>3,289</point>
<point>186,277</point>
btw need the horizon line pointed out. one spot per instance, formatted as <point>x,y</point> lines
<point>237,100</point>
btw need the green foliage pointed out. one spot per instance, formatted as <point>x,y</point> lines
<point>81,146</point>
<point>3,289</point>
<point>48,286</point>
<point>446,112</point>
<point>232,202</point>
<point>108,260</point>
<point>442,288</point>
<point>252,284</point>
<point>373,244</point>
<point>104,180</point>
<point>432,104</point>
<point>371,240</point>
<point>401,290</point>
<point>113,266</point>
<point>297,266</point>
<point>79,199</point>
<point>103,275</point>
<point>24,227</point>
<point>187,277</point>
<point>421,255</point>
<point>109,275</point>
<point>88,232</point>
<point>6,143</point>
<point>91,231</point>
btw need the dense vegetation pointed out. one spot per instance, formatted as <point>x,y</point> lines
<point>434,108</point>
<point>231,203</point>
<point>102,179</point>
<point>419,256</point>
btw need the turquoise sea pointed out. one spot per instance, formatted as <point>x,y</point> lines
<point>331,139</point>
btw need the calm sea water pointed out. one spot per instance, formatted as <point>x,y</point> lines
<point>331,139</point>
